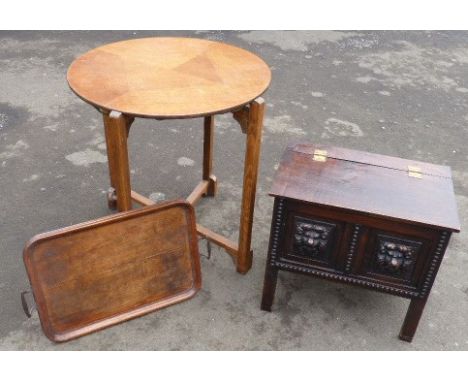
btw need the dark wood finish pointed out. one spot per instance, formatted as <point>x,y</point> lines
<point>269,287</point>
<point>412,318</point>
<point>370,183</point>
<point>208,154</point>
<point>251,161</point>
<point>329,221</point>
<point>168,77</point>
<point>373,159</point>
<point>96,274</point>
<point>271,271</point>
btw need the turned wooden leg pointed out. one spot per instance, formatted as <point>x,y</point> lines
<point>269,287</point>
<point>208,139</point>
<point>413,315</point>
<point>252,156</point>
<point>116,127</point>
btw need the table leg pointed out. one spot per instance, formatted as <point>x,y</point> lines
<point>116,127</point>
<point>413,315</point>
<point>251,161</point>
<point>111,195</point>
<point>269,287</point>
<point>208,139</point>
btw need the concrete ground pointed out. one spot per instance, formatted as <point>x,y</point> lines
<point>397,93</point>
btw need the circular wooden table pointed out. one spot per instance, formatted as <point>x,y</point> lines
<point>167,78</point>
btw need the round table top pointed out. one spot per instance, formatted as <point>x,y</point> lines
<point>168,77</point>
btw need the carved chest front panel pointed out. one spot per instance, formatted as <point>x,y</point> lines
<point>350,247</point>
<point>313,241</point>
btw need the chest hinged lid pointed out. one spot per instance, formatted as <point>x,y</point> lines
<point>395,188</point>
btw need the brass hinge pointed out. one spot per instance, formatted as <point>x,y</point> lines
<point>414,172</point>
<point>320,155</point>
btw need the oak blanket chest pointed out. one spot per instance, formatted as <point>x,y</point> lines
<point>363,219</point>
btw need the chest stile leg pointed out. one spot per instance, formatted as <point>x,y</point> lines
<point>417,305</point>
<point>271,271</point>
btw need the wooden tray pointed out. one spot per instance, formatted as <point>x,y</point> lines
<point>92,275</point>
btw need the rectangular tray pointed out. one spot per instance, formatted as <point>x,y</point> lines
<point>96,274</point>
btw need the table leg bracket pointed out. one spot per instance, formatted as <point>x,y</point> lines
<point>242,116</point>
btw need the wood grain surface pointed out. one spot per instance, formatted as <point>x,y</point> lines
<point>96,274</point>
<point>168,77</point>
<point>369,183</point>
